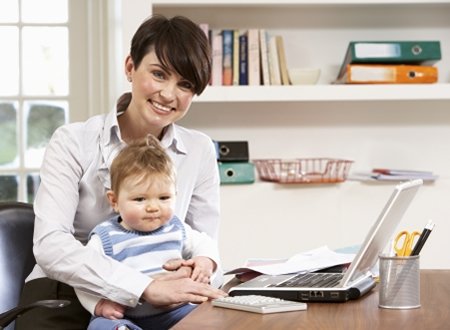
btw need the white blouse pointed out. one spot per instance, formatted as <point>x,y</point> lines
<point>71,200</point>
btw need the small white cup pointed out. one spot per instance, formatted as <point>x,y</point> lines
<point>304,76</point>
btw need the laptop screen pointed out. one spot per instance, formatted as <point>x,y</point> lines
<point>382,230</point>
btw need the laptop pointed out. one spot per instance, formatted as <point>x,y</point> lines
<point>353,283</point>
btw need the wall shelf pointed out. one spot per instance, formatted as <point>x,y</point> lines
<point>211,3</point>
<point>396,126</point>
<point>401,92</point>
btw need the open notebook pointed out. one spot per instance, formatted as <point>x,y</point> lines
<point>335,287</point>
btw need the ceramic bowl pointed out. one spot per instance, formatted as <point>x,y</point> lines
<point>304,76</point>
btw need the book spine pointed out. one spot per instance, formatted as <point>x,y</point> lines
<point>227,58</point>
<point>243,61</point>
<point>390,73</point>
<point>236,57</point>
<point>282,60</point>
<point>205,28</point>
<point>254,75</point>
<point>406,52</point>
<point>274,67</point>
<point>217,55</point>
<point>265,76</point>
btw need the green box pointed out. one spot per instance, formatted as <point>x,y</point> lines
<point>236,173</point>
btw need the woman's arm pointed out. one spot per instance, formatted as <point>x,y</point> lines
<point>62,197</point>
<point>60,255</point>
<point>89,301</point>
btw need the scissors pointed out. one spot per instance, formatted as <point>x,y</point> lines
<point>404,242</point>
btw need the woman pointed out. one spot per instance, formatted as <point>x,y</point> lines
<point>169,63</point>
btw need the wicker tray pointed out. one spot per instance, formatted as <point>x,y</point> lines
<point>306,170</point>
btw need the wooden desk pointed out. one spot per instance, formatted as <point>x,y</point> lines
<point>359,314</point>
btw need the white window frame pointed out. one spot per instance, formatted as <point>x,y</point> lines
<point>89,83</point>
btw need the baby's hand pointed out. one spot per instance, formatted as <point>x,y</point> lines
<point>109,309</point>
<point>203,268</point>
<point>177,268</point>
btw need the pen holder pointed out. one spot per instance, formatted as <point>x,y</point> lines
<point>399,282</point>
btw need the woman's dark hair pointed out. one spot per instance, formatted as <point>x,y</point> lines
<point>179,44</point>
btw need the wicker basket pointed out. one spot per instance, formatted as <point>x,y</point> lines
<point>306,170</point>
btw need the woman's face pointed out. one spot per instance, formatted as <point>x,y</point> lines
<point>159,96</point>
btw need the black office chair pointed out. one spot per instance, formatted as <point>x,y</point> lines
<point>17,261</point>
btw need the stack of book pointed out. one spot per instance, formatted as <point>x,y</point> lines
<point>247,57</point>
<point>233,162</point>
<point>390,62</point>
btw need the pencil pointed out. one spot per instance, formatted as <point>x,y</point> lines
<point>423,238</point>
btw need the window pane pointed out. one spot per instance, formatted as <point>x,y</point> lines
<point>9,187</point>
<point>9,61</point>
<point>44,11</point>
<point>33,181</point>
<point>42,119</point>
<point>8,135</point>
<point>9,11</point>
<point>45,61</point>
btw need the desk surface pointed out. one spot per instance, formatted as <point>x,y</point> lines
<point>358,314</point>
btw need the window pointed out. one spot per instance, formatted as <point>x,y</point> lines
<point>42,86</point>
<point>34,89</point>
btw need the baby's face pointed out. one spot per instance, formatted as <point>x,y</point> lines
<point>146,205</point>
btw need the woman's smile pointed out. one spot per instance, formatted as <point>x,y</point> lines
<point>161,107</point>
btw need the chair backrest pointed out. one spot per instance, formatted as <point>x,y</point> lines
<point>16,250</point>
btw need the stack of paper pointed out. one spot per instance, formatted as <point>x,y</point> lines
<point>309,261</point>
<point>383,174</point>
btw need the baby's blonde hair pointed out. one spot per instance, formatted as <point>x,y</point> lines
<point>143,158</point>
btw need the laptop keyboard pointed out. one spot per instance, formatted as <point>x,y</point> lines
<point>311,280</point>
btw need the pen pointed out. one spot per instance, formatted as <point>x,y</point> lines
<point>423,238</point>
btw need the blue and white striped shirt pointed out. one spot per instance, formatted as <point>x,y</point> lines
<point>144,251</point>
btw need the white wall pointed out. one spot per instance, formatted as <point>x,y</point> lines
<point>270,220</point>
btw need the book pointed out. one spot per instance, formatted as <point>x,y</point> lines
<point>264,59</point>
<point>205,28</point>
<point>243,62</point>
<point>254,76</point>
<point>236,57</point>
<point>217,55</point>
<point>388,74</point>
<point>282,61</point>
<point>227,57</point>
<point>274,67</point>
<point>404,52</point>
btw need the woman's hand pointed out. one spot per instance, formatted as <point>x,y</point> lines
<point>168,292</point>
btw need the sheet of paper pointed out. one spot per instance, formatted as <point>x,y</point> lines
<point>312,260</point>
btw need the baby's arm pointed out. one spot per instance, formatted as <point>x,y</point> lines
<point>100,307</point>
<point>109,309</point>
<point>202,255</point>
